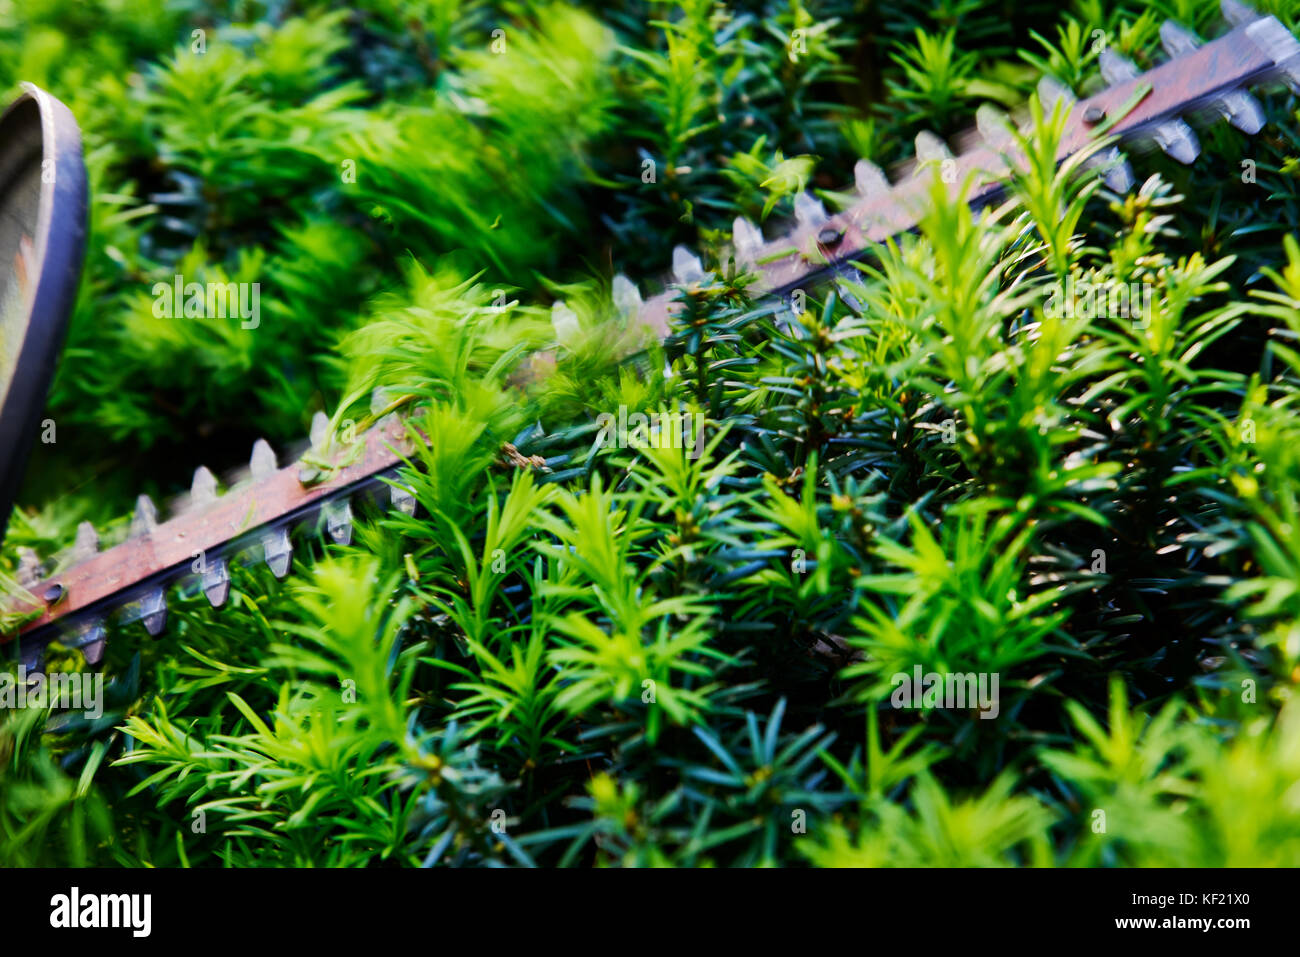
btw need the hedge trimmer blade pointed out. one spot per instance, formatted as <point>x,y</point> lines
<point>1202,81</point>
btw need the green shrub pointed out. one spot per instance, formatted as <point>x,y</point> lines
<point>637,652</point>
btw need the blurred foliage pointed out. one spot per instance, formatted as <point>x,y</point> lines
<point>627,653</point>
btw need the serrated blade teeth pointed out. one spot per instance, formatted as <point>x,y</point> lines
<point>869,179</point>
<point>1238,107</point>
<point>1051,90</point>
<point>1177,39</point>
<point>1238,13</point>
<point>338,521</point>
<point>94,651</point>
<point>687,267</point>
<point>1174,137</point>
<point>1278,44</point>
<point>29,568</point>
<point>320,430</point>
<point>277,551</point>
<point>215,582</point>
<point>90,638</point>
<point>809,211</point>
<point>145,519</point>
<point>1241,110</point>
<point>627,298</point>
<point>564,321</point>
<point>31,655</point>
<point>1117,173</point>
<point>262,462</point>
<point>1115,67</point>
<point>747,238</point>
<point>87,543</point>
<point>153,611</point>
<point>931,148</point>
<point>994,126</point>
<point>1177,141</point>
<point>403,499</point>
<point>203,489</point>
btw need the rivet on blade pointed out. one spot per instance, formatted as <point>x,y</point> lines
<point>1116,171</point>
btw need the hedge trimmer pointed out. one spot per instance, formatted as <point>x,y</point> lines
<point>42,229</point>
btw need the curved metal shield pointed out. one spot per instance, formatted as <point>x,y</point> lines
<point>43,210</point>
